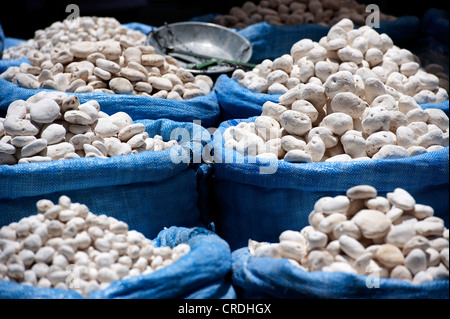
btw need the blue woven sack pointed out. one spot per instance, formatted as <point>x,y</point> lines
<point>433,45</point>
<point>2,40</point>
<point>260,198</point>
<point>4,64</point>
<point>11,42</point>
<point>435,23</point>
<point>144,28</point>
<point>201,274</point>
<point>148,190</point>
<point>203,108</point>
<point>269,41</point>
<point>270,278</point>
<point>237,102</point>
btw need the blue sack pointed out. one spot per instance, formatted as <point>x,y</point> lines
<point>270,278</point>
<point>269,41</point>
<point>4,64</point>
<point>144,28</point>
<point>2,41</point>
<point>149,190</point>
<point>201,274</point>
<point>237,102</point>
<point>260,198</point>
<point>435,23</point>
<point>203,108</point>
<point>433,45</point>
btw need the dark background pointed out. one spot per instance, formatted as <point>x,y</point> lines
<point>20,18</point>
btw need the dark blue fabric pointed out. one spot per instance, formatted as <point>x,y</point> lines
<point>435,23</point>
<point>203,108</point>
<point>250,205</point>
<point>209,17</point>
<point>201,274</point>
<point>433,45</point>
<point>147,190</point>
<point>237,102</point>
<point>269,278</point>
<point>205,192</point>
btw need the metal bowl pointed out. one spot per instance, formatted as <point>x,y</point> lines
<point>200,38</point>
